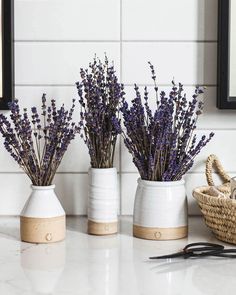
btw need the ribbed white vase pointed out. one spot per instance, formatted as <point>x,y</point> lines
<point>42,219</point>
<point>102,201</point>
<point>160,210</point>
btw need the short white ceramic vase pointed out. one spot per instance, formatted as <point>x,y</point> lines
<point>42,219</point>
<point>160,210</point>
<point>102,201</point>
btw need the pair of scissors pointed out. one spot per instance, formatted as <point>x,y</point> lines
<point>201,249</point>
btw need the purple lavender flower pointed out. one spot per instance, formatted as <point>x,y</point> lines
<point>38,142</point>
<point>162,143</point>
<point>99,96</point>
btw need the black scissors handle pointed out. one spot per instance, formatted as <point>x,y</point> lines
<point>203,246</point>
<point>200,249</point>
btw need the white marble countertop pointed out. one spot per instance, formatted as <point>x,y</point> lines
<point>112,265</point>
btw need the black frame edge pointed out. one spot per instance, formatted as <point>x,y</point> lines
<point>223,99</point>
<point>7,53</point>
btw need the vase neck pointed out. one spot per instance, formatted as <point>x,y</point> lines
<point>43,188</point>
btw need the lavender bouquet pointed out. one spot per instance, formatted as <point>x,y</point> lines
<point>99,96</point>
<point>162,142</point>
<point>38,142</point>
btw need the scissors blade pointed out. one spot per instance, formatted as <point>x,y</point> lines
<point>173,255</point>
<point>226,253</point>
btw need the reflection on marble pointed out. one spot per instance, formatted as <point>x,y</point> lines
<point>111,265</point>
<point>43,265</point>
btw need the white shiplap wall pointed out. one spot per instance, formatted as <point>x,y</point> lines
<point>54,38</point>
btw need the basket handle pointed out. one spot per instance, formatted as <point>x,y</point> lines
<point>213,160</point>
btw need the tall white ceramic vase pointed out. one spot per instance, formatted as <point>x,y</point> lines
<point>42,219</point>
<point>160,210</point>
<point>102,201</point>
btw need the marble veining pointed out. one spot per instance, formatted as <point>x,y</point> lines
<point>109,265</point>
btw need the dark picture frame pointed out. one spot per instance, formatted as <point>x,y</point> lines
<point>7,53</point>
<point>224,100</point>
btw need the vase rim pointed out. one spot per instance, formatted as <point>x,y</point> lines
<point>161,183</point>
<point>43,187</point>
<point>102,169</point>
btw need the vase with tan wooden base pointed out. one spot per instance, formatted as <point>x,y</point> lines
<point>160,210</point>
<point>42,219</point>
<point>102,201</point>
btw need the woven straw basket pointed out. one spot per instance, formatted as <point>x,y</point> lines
<point>219,211</point>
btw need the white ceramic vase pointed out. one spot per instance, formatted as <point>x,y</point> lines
<point>42,219</point>
<point>160,210</point>
<point>102,201</point>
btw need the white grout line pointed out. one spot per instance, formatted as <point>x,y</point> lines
<point>125,84</point>
<point>67,41</point>
<point>170,41</point>
<point>167,85</point>
<point>44,85</point>
<point>60,172</point>
<point>190,172</point>
<point>119,173</point>
<point>113,41</point>
<point>215,129</point>
<point>22,172</point>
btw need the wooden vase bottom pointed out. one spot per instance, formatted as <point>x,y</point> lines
<point>156,233</point>
<point>42,230</point>
<point>102,228</point>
